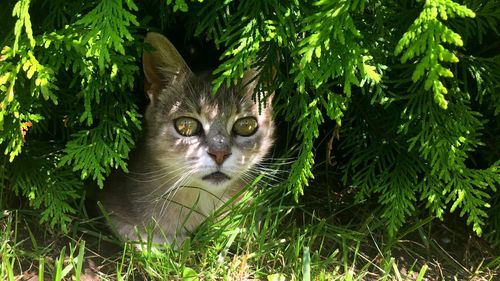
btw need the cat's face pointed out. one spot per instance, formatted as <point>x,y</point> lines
<point>205,141</point>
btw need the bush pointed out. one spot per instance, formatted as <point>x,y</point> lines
<point>412,86</point>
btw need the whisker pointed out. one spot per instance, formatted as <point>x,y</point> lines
<point>148,196</point>
<point>166,196</point>
<point>155,178</point>
<point>173,191</point>
<point>269,170</point>
<point>264,174</point>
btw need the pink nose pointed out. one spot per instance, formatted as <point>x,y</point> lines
<point>219,155</point>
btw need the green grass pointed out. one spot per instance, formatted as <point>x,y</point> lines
<point>266,236</point>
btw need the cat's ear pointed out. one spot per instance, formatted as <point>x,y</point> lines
<point>250,81</point>
<point>163,65</point>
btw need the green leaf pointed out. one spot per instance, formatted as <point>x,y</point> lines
<point>276,277</point>
<point>189,274</point>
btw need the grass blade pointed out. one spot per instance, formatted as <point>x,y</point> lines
<point>41,268</point>
<point>79,260</point>
<point>306,265</point>
<point>59,264</point>
<point>421,273</point>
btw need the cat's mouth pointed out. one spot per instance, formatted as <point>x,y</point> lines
<point>217,177</point>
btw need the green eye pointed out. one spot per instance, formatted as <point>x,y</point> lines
<point>246,126</point>
<point>187,126</point>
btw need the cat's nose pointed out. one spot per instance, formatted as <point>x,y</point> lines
<point>219,149</point>
<point>219,155</point>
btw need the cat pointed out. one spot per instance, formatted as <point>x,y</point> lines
<point>198,150</point>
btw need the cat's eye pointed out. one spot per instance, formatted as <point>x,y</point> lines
<point>187,126</point>
<point>245,127</point>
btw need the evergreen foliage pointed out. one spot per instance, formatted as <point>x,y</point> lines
<point>413,86</point>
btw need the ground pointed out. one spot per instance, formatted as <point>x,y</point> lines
<point>271,237</point>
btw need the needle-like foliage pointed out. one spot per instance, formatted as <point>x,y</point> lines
<point>412,85</point>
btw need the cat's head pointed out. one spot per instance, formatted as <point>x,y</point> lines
<point>204,140</point>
